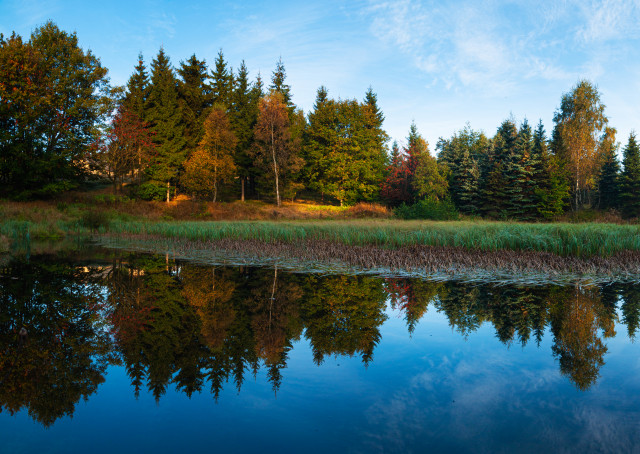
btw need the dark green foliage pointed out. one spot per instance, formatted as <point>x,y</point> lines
<point>222,82</point>
<point>437,210</point>
<point>244,114</point>
<point>631,308</point>
<point>609,179</point>
<point>53,98</point>
<point>279,86</point>
<point>521,175</point>
<point>630,181</point>
<point>165,116</point>
<point>135,99</point>
<point>195,98</point>
<point>342,149</point>
<point>466,155</point>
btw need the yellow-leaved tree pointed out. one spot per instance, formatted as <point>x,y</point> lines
<point>212,162</point>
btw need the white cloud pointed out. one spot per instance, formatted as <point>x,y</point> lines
<point>494,47</point>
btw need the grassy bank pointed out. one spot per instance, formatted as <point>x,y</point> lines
<point>60,219</point>
<point>577,240</point>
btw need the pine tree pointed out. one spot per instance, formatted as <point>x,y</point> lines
<point>222,83</point>
<point>630,181</point>
<point>165,116</point>
<point>195,97</point>
<point>609,178</point>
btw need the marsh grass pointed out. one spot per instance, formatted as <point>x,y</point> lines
<point>577,240</point>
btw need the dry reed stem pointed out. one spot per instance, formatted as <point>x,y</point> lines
<point>427,259</point>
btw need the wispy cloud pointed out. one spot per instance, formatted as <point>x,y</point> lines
<point>496,46</point>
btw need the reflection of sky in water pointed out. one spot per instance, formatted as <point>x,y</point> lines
<point>433,391</point>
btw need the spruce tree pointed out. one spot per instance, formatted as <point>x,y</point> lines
<point>222,82</point>
<point>609,178</point>
<point>195,98</point>
<point>278,84</point>
<point>468,182</point>
<point>244,114</point>
<point>522,184</point>
<point>137,90</point>
<point>630,181</point>
<point>164,113</point>
<point>497,193</point>
<point>375,138</point>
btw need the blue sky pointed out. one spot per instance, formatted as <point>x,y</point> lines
<point>440,64</point>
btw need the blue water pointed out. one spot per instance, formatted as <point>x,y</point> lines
<point>430,390</point>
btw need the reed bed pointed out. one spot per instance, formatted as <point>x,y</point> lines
<point>564,240</point>
<point>431,262</point>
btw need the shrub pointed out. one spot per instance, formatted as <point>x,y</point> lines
<point>151,191</point>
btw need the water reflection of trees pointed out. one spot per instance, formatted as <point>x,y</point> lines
<point>66,349</point>
<point>211,325</point>
<point>201,328</point>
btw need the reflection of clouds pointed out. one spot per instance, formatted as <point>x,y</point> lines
<point>491,404</point>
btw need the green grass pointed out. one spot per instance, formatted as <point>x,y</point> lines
<point>580,240</point>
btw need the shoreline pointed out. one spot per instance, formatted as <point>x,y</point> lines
<point>430,262</point>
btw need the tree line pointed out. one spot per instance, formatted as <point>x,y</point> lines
<point>215,134</point>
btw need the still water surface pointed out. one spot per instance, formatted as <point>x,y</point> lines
<point>140,353</point>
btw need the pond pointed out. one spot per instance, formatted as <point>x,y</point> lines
<point>127,351</point>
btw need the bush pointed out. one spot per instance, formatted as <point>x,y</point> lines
<point>437,210</point>
<point>151,191</point>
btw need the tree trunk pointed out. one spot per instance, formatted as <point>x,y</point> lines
<point>168,191</point>
<point>242,189</point>
<point>275,166</point>
<point>215,183</point>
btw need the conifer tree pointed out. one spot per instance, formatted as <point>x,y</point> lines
<point>609,179</point>
<point>165,116</point>
<point>279,86</point>
<point>465,156</point>
<point>244,114</point>
<point>195,97</point>
<point>496,191</point>
<point>375,140</point>
<point>522,186</point>
<point>416,148</point>
<point>135,100</point>
<point>468,183</point>
<point>630,181</point>
<point>222,83</point>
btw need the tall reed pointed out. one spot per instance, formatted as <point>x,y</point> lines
<point>579,240</point>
